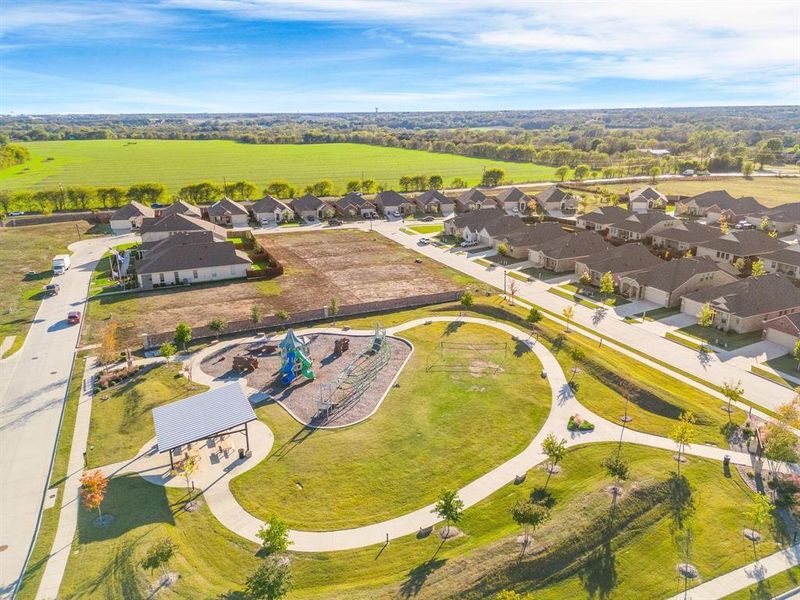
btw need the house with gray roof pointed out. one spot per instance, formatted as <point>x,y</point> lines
<point>391,202</point>
<point>469,225</point>
<point>602,218</point>
<point>561,254</point>
<point>786,261</point>
<point>618,261</point>
<point>716,204</point>
<point>434,201</point>
<point>640,227</point>
<point>228,212</point>
<point>130,217</point>
<point>180,207</point>
<point>666,282</point>
<point>744,305</point>
<point>311,209</point>
<point>556,200</point>
<point>355,206</point>
<point>783,219</point>
<point>645,199</point>
<point>500,227</point>
<point>190,258</point>
<point>683,236</point>
<point>784,330</point>
<point>519,242</point>
<point>269,211</point>
<point>513,200</point>
<point>158,228</point>
<point>748,244</point>
<point>474,199</point>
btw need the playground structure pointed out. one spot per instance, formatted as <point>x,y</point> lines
<point>354,380</point>
<point>295,359</point>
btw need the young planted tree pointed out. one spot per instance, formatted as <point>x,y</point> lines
<point>796,354</point>
<point>274,536</point>
<point>779,446</point>
<point>747,168</point>
<point>450,508</point>
<point>757,269</point>
<point>740,265</point>
<point>724,226</point>
<point>758,514</point>
<point>568,313</point>
<point>217,326</point>
<point>255,314</point>
<point>682,434</point>
<point>159,555</point>
<point>617,468</point>
<point>607,283</point>
<point>467,300</point>
<point>93,489</point>
<point>529,515</point>
<point>733,391</point>
<point>271,580</point>
<point>513,288</point>
<point>585,278</point>
<point>183,335</point>
<point>333,309</point>
<point>283,315</point>
<point>535,315</point>
<point>502,248</point>
<point>706,315</point>
<point>764,224</point>
<point>555,450</point>
<point>654,173</point>
<point>186,467</point>
<point>167,350</point>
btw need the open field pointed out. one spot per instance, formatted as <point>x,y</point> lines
<point>351,266</point>
<point>636,558</point>
<point>450,420</point>
<point>178,163</point>
<point>24,249</point>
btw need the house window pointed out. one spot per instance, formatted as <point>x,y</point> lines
<point>161,277</point>
<point>214,275</point>
<point>194,274</point>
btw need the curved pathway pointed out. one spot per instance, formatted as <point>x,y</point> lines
<point>230,513</point>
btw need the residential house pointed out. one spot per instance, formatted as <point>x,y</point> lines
<point>269,210</point>
<point>784,330</point>
<point>748,244</point>
<point>744,305</point>
<point>683,236</point>
<point>190,258</point>
<point>180,207</point>
<point>158,228</point>
<point>786,261</point>
<point>783,219</point>
<point>561,254</point>
<point>474,199</point>
<point>554,200</point>
<point>618,261</point>
<point>130,217</point>
<point>355,206</point>
<point>434,201</point>
<point>500,227</point>
<point>715,205</point>
<point>228,212</point>
<point>469,225</point>
<point>513,200</point>
<point>390,202</point>
<point>645,199</point>
<point>664,283</point>
<point>311,209</point>
<point>518,243</point>
<point>601,218</point>
<point>738,212</point>
<point>640,227</point>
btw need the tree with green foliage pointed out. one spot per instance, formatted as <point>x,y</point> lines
<point>255,314</point>
<point>585,278</point>
<point>607,283</point>
<point>796,354</point>
<point>283,315</point>
<point>333,309</point>
<point>758,514</point>
<point>562,172</point>
<point>354,185</point>
<point>734,392</point>
<point>534,316</point>
<point>450,508</point>
<point>740,264</point>
<point>405,182</point>
<point>5,201</point>
<point>167,350</point>
<point>159,555</point>
<point>502,248</point>
<point>242,190</point>
<point>529,515</point>
<point>568,312</point>
<point>683,433</point>
<point>764,224</point>
<point>435,182</point>
<point>757,269</point>
<point>271,580</point>
<point>724,226</point>
<point>581,171</point>
<point>368,186</point>
<point>555,450</point>
<point>321,188</point>
<point>81,196</point>
<point>467,300</point>
<point>279,188</point>
<point>779,446</point>
<point>493,177</point>
<point>147,193</point>
<point>655,173</point>
<point>183,335</point>
<point>111,196</point>
<point>204,192</point>
<point>617,467</point>
<point>747,168</point>
<point>459,183</point>
<point>217,326</point>
<point>706,315</point>
<point>274,536</point>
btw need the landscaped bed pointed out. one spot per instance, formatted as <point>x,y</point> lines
<point>450,420</point>
<point>727,340</point>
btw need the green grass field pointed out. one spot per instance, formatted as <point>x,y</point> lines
<point>446,424</point>
<point>177,163</point>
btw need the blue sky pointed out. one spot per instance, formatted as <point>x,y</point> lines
<point>355,55</point>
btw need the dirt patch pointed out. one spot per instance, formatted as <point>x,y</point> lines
<point>301,397</point>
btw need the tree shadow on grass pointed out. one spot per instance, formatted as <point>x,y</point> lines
<point>680,502</point>
<point>452,327</point>
<point>521,349</point>
<point>599,573</point>
<point>540,495</point>
<point>419,575</point>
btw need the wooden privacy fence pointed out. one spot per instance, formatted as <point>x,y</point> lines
<point>100,216</point>
<point>309,316</point>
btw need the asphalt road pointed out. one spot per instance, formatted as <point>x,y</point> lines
<point>33,388</point>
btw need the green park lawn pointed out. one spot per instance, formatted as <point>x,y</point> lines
<point>727,340</point>
<point>580,558</point>
<point>24,249</point>
<point>423,229</point>
<point>446,424</point>
<point>176,163</point>
<point>770,587</point>
<point>121,421</point>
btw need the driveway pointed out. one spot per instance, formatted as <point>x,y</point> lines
<point>33,393</point>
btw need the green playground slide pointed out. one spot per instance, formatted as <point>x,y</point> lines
<point>305,364</point>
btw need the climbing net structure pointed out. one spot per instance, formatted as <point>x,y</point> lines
<point>357,376</point>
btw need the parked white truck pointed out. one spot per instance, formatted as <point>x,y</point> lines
<point>61,263</point>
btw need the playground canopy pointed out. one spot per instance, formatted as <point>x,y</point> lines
<point>203,416</point>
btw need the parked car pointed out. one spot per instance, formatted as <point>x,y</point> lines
<point>469,243</point>
<point>702,173</point>
<point>51,289</point>
<point>744,225</point>
<point>427,219</point>
<point>334,222</point>
<point>74,317</point>
<point>688,173</point>
<point>424,241</point>
<point>16,213</point>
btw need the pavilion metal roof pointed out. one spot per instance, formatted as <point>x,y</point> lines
<point>201,416</point>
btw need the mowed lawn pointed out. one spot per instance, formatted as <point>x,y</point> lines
<point>179,162</point>
<point>446,424</point>
<point>24,249</point>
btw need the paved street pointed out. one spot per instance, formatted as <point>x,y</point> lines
<point>33,391</point>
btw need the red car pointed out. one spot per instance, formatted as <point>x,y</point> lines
<point>74,317</point>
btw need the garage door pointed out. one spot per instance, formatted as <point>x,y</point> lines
<point>690,307</point>
<point>779,337</point>
<point>657,296</point>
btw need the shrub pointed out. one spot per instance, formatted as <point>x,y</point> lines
<point>577,423</point>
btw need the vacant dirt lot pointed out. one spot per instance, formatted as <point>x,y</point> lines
<point>351,266</point>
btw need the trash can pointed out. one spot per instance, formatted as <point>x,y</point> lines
<point>726,460</point>
<point>241,453</point>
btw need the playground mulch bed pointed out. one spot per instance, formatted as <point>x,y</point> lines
<point>301,396</point>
